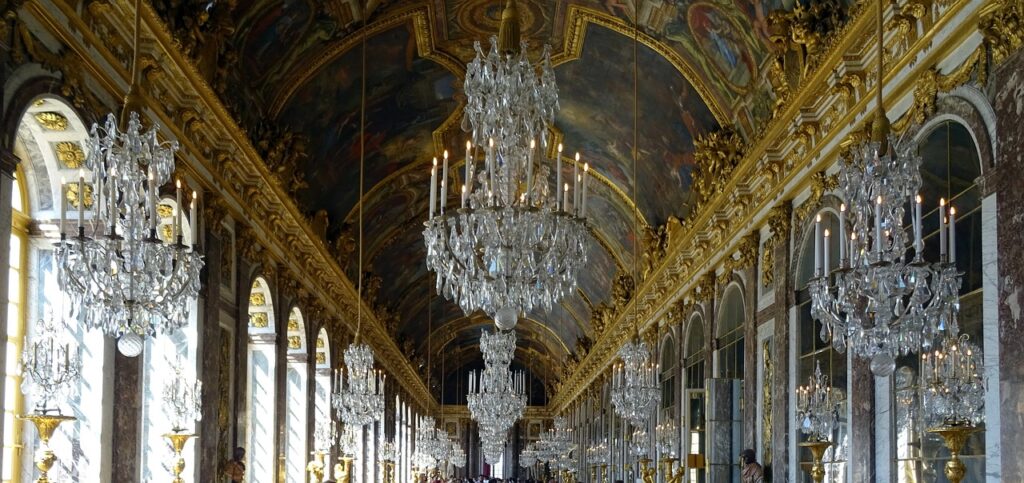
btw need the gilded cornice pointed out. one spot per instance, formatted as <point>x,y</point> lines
<point>775,166</point>
<point>241,179</point>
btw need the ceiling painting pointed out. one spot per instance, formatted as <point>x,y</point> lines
<point>597,120</point>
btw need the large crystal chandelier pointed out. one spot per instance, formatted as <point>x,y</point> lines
<point>818,405</point>
<point>885,299</point>
<point>635,389</point>
<point>954,388</point>
<point>51,364</point>
<point>120,274</point>
<point>432,443</point>
<point>360,396</point>
<point>517,242</point>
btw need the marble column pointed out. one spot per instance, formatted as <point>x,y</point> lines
<point>723,430</point>
<point>210,370</point>
<point>1009,99</point>
<point>862,422</point>
<point>8,163</point>
<point>127,418</point>
<point>784,298</point>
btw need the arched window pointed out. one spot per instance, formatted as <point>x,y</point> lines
<point>694,411</point>
<point>49,145</point>
<point>668,372</point>
<point>811,351</point>
<point>949,168</point>
<point>295,399</point>
<point>730,334</point>
<point>159,354</point>
<point>262,362</point>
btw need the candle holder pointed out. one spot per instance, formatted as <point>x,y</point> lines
<point>316,467</point>
<point>178,440</point>
<point>954,436</point>
<point>818,452</point>
<point>604,473</point>
<point>44,457</point>
<point>671,476</point>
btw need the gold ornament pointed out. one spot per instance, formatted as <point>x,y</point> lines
<point>178,441</point>
<point>52,121</point>
<point>45,425</point>
<point>954,436</point>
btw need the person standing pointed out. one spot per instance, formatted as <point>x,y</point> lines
<point>234,469</point>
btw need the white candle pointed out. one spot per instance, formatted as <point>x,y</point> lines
<point>63,201</point>
<point>842,235</point>
<point>81,199</point>
<point>586,171</point>
<point>558,175</point>
<point>463,196</point>
<point>444,183</point>
<point>469,164</point>
<point>433,188</point>
<point>825,249</point>
<point>817,245</point>
<point>942,229</point>
<point>918,242</point>
<point>177,211</point>
<point>193,220</point>
<point>952,235</point>
<point>529,173</point>
<point>112,202</point>
<point>491,185</point>
<point>565,199</point>
<point>878,225</point>
<point>151,182</point>
<point>576,183</point>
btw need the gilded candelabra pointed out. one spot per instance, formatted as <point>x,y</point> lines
<point>178,440</point>
<point>44,458</point>
<point>593,473</point>
<point>388,468</point>
<point>955,435</point>
<point>604,472</point>
<point>648,473</point>
<point>818,452</point>
<point>343,470</point>
<point>316,467</point>
<point>670,475</point>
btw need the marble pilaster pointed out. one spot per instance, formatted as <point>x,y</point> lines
<point>127,418</point>
<point>1009,107</point>
<point>862,422</point>
<point>210,345</point>
<point>750,345</point>
<point>8,163</point>
<point>784,297</point>
<point>723,429</point>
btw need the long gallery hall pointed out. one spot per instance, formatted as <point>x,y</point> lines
<point>512,241</point>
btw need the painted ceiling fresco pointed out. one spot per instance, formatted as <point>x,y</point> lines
<point>700,64</point>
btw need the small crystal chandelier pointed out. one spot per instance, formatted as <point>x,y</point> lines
<point>497,395</point>
<point>51,364</point>
<point>818,406</point>
<point>954,388</point>
<point>388,451</point>
<point>121,276</point>
<point>360,396</point>
<point>885,300</point>
<point>666,436</point>
<point>557,443</point>
<point>182,397</point>
<point>528,456</point>
<point>516,242</point>
<point>324,435</point>
<point>457,455</point>
<point>348,443</point>
<point>635,389</point>
<point>639,443</point>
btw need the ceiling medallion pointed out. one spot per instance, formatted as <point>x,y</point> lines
<point>516,242</point>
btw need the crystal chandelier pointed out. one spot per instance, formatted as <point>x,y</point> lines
<point>818,406</point>
<point>182,397</point>
<point>121,276</point>
<point>360,396</point>
<point>954,389</point>
<point>635,389</point>
<point>885,300</point>
<point>639,444</point>
<point>432,444</point>
<point>528,456</point>
<point>556,444</point>
<point>324,435</point>
<point>50,365</point>
<point>497,397</point>
<point>388,451</point>
<point>666,436</point>
<point>348,444</point>
<point>516,242</point>
<point>493,450</point>
<point>457,456</point>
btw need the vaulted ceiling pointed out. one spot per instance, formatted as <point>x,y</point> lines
<point>296,88</point>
